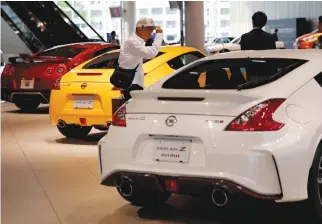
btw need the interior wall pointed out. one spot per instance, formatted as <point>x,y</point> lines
<point>242,11</point>
<point>11,44</point>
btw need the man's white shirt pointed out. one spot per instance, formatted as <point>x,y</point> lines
<point>134,51</point>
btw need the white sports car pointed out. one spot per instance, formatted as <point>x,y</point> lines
<point>233,46</point>
<point>237,123</point>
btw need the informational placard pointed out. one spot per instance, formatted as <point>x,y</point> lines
<point>286,30</point>
<point>116,12</point>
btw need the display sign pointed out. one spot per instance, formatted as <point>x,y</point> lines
<point>116,12</point>
<point>287,30</point>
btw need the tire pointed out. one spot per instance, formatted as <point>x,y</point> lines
<point>75,131</point>
<point>315,185</point>
<point>144,198</point>
<point>27,105</point>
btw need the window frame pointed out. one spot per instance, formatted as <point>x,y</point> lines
<point>196,53</point>
<point>221,65</point>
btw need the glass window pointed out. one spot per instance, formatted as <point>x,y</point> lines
<point>105,50</point>
<point>185,59</point>
<point>171,11</point>
<point>108,61</point>
<point>224,23</point>
<point>144,12</point>
<point>96,13</point>
<point>156,11</point>
<point>66,52</point>
<point>226,39</point>
<point>158,23</point>
<point>232,73</point>
<point>236,40</point>
<point>224,11</point>
<point>171,24</point>
<point>171,37</point>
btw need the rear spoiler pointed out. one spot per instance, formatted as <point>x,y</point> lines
<point>195,95</point>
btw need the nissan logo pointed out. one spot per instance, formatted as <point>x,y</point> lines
<point>84,85</point>
<point>170,121</point>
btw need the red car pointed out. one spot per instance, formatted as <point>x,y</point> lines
<point>27,81</point>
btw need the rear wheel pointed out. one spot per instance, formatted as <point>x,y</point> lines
<point>27,105</point>
<point>144,198</point>
<point>74,131</point>
<point>315,185</point>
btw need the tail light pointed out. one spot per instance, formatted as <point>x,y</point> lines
<point>8,70</point>
<point>56,84</point>
<point>258,118</point>
<point>119,118</point>
<point>115,88</point>
<point>49,71</point>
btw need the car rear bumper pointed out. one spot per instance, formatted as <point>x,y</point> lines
<point>13,94</point>
<point>251,173</point>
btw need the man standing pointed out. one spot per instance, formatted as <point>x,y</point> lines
<point>257,39</point>
<point>134,51</point>
<point>113,39</point>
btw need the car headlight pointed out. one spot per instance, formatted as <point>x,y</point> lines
<point>308,38</point>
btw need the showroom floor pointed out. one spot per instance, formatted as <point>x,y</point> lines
<point>47,179</point>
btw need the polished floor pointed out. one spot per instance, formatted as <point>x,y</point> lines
<point>48,179</point>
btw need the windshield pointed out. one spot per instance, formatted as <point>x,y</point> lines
<point>232,73</point>
<point>66,52</point>
<point>236,40</point>
<point>108,61</point>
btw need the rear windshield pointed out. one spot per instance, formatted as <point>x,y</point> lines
<point>66,52</point>
<point>232,73</point>
<point>108,61</point>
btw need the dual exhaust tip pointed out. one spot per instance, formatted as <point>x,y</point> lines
<point>219,196</point>
<point>63,124</point>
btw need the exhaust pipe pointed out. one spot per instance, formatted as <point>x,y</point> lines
<point>125,187</point>
<point>61,124</point>
<point>219,197</point>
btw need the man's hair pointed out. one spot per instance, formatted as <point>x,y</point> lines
<point>259,19</point>
<point>113,33</point>
<point>320,19</point>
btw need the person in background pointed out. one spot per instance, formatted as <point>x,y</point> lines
<point>275,34</point>
<point>113,39</point>
<point>257,39</point>
<point>133,51</point>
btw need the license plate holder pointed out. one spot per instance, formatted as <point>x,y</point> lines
<point>27,84</point>
<point>83,102</point>
<point>172,150</point>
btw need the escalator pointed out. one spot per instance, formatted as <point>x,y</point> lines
<point>41,24</point>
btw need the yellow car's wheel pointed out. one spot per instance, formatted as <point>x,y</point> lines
<point>72,131</point>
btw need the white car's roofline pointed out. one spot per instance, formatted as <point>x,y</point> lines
<point>309,54</point>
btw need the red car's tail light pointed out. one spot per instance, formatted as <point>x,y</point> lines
<point>56,84</point>
<point>8,70</point>
<point>61,69</point>
<point>258,118</point>
<point>119,118</point>
<point>49,71</point>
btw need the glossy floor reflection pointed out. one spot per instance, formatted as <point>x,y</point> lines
<point>47,179</point>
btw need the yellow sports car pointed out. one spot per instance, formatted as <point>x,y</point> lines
<point>83,97</point>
